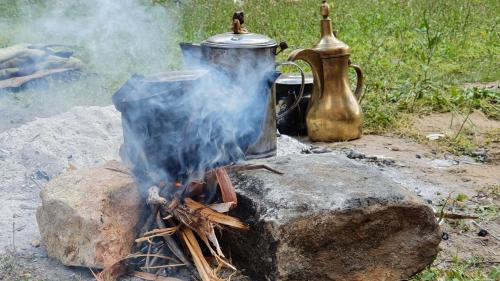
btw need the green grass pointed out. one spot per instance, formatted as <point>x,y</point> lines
<point>416,54</point>
<point>460,270</point>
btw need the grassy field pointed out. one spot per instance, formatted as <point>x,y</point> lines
<point>416,55</point>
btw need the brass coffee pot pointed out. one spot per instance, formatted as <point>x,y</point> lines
<point>333,113</point>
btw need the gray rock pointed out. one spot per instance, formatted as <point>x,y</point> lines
<point>354,154</point>
<point>330,218</point>
<point>481,154</point>
<point>89,217</point>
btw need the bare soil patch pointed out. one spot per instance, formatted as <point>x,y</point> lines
<point>481,131</point>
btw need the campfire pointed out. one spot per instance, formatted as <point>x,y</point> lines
<point>170,235</point>
<point>185,132</point>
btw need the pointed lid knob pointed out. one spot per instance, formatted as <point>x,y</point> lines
<point>329,45</point>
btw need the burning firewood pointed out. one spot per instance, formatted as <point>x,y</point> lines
<point>156,233</point>
<point>226,187</point>
<point>214,216</point>
<point>204,269</point>
<point>179,218</point>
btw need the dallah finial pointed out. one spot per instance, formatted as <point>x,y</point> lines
<point>325,10</point>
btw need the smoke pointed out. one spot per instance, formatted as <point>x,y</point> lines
<point>214,120</point>
<point>114,39</point>
<point>175,135</point>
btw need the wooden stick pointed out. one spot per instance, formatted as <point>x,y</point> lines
<point>147,236</point>
<point>248,167</point>
<point>226,187</point>
<point>205,271</point>
<point>162,266</point>
<point>148,255</point>
<point>454,216</point>
<point>172,245</point>
<point>152,277</point>
<point>213,216</point>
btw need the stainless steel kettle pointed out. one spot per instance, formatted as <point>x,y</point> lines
<point>248,59</point>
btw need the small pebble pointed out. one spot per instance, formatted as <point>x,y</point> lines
<point>353,154</point>
<point>482,233</point>
<point>445,236</point>
<point>433,137</point>
<point>35,243</point>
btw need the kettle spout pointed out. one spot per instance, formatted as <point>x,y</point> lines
<point>192,54</point>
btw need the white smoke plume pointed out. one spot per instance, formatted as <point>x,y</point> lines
<point>212,124</point>
<point>113,38</point>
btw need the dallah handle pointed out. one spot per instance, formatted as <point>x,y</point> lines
<point>301,92</point>
<point>359,84</point>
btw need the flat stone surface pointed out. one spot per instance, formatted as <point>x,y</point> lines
<point>330,218</point>
<point>89,217</point>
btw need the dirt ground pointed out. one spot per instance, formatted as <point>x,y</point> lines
<point>469,186</point>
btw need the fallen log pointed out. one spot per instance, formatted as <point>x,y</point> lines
<point>23,63</point>
<point>12,52</point>
<point>17,82</point>
<point>7,73</point>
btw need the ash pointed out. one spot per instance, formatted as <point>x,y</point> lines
<point>40,150</point>
<point>289,146</point>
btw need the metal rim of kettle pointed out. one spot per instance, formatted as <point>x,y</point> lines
<point>294,79</point>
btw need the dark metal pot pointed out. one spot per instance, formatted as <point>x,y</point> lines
<point>287,93</point>
<point>245,59</point>
<point>153,126</point>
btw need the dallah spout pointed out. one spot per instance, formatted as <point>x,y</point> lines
<point>314,60</point>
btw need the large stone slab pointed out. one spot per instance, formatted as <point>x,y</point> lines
<point>89,217</point>
<point>330,218</point>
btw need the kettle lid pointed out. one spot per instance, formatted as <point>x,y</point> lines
<point>240,38</point>
<point>241,41</point>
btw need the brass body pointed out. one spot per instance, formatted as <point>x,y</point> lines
<point>333,113</point>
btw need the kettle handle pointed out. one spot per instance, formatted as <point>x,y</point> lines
<point>359,83</point>
<point>301,92</point>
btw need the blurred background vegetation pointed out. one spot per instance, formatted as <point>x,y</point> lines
<point>416,54</point>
